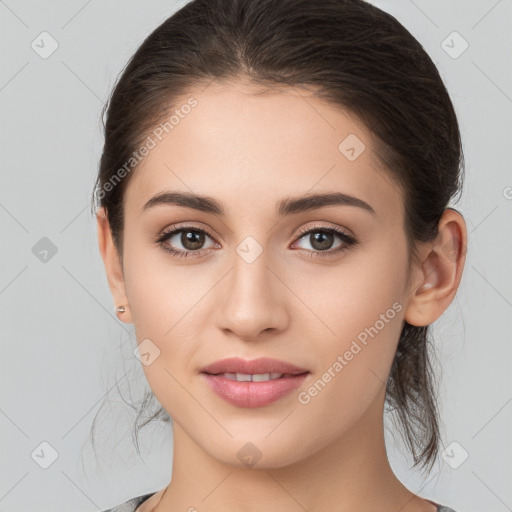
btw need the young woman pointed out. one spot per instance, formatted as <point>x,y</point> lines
<point>273,215</point>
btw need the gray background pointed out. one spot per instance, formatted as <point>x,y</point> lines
<point>62,347</point>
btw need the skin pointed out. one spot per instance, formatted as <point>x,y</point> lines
<point>248,151</point>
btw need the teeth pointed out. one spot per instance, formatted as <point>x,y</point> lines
<point>258,377</point>
<point>247,377</point>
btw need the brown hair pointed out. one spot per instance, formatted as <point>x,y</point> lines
<point>357,57</point>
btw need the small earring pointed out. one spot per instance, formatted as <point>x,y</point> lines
<point>121,309</point>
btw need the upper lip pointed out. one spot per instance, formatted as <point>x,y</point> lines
<point>254,366</point>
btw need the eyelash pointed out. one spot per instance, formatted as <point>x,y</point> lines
<point>349,241</point>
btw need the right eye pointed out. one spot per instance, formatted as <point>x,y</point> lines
<point>191,239</point>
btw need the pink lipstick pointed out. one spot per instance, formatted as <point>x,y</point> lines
<point>253,383</point>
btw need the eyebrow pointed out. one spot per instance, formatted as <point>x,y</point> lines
<point>287,206</point>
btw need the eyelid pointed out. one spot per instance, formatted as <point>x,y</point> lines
<point>348,239</point>
<point>302,231</point>
<point>183,226</point>
<point>341,231</point>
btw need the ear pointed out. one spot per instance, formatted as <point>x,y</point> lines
<point>438,276</point>
<point>113,264</point>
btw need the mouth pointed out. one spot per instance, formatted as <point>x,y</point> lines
<point>255,383</point>
<point>254,377</point>
<point>262,366</point>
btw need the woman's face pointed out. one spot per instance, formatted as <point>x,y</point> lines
<point>254,283</point>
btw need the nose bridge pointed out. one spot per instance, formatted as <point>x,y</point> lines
<point>251,303</point>
<point>250,270</point>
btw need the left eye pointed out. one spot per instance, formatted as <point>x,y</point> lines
<point>322,239</point>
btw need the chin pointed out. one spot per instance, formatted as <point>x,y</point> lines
<point>257,451</point>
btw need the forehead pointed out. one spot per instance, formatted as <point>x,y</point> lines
<point>250,145</point>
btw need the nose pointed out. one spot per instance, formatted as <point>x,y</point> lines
<point>252,300</point>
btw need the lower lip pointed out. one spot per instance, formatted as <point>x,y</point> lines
<point>253,394</point>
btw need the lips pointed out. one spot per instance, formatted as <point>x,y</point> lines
<point>255,383</point>
<point>259,366</point>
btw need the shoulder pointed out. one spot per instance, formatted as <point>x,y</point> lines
<point>443,508</point>
<point>131,505</point>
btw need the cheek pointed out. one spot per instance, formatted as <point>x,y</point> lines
<point>345,298</point>
<point>359,313</point>
<point>168,317</point>
<point>163,295</point>
<point>170,314</point>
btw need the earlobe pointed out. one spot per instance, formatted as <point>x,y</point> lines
<point>440,273</point>
<point>113,265</point>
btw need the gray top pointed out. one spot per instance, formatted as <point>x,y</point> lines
<point>131,505</point>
